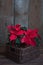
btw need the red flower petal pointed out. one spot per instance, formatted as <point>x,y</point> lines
<point>13,32</point>
<point>25,32</point>
<point>17,27</point>
<point>12,37</point>
<point>29,31</point>
<point>20,32</point>
<point>9,27</point>
<point>23,40</point>
<point>33,35</point>
<point>28,41</point>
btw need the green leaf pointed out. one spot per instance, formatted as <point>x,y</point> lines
<point>37,41</point>
<point>23,28</point>
<point>17,41</point>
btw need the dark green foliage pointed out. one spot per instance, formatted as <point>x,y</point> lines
<point>17,42</point>
<point>37,41</point>
<point>23,28</point>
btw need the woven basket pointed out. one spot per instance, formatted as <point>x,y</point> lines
<point>21,55</point>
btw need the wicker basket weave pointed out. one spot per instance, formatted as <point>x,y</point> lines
<point>21,55</point>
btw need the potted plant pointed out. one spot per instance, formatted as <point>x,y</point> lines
<point>23,43</point>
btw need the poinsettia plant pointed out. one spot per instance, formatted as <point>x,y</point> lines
<point>21,36</point>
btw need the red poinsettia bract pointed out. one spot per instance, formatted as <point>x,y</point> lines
<point>28,39</point>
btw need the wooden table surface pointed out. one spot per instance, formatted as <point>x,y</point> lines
<point>37,61</point>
